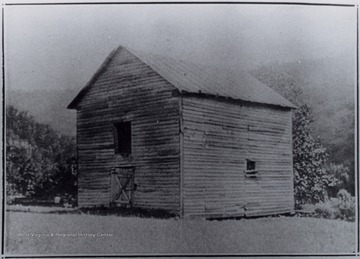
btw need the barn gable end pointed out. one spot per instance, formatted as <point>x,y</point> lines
<point>127,90</point>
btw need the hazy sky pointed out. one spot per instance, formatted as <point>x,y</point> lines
<point>55,47</point>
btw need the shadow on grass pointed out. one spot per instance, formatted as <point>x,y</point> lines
<point>282,215</point>
<point>131,212</point>
<point>122,212</point>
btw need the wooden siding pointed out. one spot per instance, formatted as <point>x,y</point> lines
<point>128,90</point>
<point>218,137</point>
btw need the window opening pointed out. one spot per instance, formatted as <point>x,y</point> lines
<point>122,138</point>
<point>250,168</point>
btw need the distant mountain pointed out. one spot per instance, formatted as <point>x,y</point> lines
<point>47,107</point>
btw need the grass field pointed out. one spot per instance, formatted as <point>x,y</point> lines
<point>36,233</point>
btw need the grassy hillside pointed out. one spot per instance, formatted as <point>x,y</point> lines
<point>122,235</point>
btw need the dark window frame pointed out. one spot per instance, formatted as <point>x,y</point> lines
<point>251,170</point>
<point>123,138</point>
<point>250,165</point>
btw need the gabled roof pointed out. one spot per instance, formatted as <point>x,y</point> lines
<point>195,78</point>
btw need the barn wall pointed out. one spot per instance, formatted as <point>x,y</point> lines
<point>129,90</point>
<point>218,137</point>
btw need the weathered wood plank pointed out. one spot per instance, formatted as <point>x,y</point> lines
<point>128,89</point>
<point>218,138</point>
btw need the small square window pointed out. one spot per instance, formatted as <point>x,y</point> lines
<point>250,171</point>
<point>122,138</point>
<point>250,165</point>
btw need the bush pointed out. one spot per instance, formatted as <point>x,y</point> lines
<point>341,207</point>
<point>341,172</point>
<point>345,205</point>
<point>40,162</point>
<point>325,210</point>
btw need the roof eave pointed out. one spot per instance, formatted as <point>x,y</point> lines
<point>230,99</point>
<point>74,103</point>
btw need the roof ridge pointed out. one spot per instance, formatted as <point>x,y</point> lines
<point>196,77</point>
<point>225,75</point>
<point>96,75</point>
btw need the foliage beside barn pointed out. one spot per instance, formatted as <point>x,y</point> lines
<point>342,207</point>
<point>39,161</point>
<point>316,176</point>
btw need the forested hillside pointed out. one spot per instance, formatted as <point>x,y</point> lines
<point>327,87</point>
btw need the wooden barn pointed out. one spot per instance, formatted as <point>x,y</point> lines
<point>159,133</point>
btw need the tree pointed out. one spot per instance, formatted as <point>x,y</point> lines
<point>311,179</point>
<point>38,159</point>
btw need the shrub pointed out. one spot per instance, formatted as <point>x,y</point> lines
<point>345,206</point>
<point>341,172</point>
<point>39,160</point>
<point>325,210</point>
<point>341,207</point>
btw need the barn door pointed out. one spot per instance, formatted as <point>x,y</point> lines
<point>253,194</point>
<point>122,185</point>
